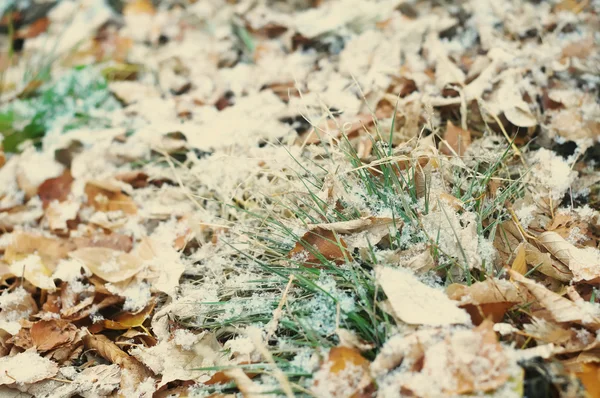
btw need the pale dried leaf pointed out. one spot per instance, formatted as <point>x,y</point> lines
<point>110,265</point>
<point>584,263</point>
<point>561,309</point>
<point>416,303</point>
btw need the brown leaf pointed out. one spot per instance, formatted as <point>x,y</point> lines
<point>544,263</point>
<point>320,242</point>
<point>57,188</point>
<point>456,139</point>
<point>471,379</point>
<point>584,263</point>
<point>560,308</point>
<point>488,299</point>
<point>106,198</point>
<point>112,353</point>
<point>47,335</point>
<point>139,7</point>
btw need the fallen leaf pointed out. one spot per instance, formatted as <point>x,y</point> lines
<point>137,7</point>
<point>519,264</point>
<point>113,241</point>
<point>560,308</point>
<point>50,250</point>
<point>105,198</point>
<point>47,335</point>
<point>488,299</point>
<point>544,263</point>
<point>343,374</point>
<point>456,140</point>
<point>34,271</point>
<point>416,303</point>
<point>176,363</point>
<point>112,353</point>
<point>110,265</point>
<point>320,243</point>
<point>590,377</point>
<point>584,263</point>
<point>26,368</point>
<point>128,320</point>
<point>57,188</point>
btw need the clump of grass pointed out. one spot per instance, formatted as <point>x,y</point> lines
<point>330,295</point>
<point>78,98</point>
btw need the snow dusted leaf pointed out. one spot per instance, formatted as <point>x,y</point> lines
<point>416,303</point>
<point>15,305</point>
<point>110,265</point>
<point>343,374</point>
<point>50,250</point>
<point>58,215</point>
<point>47,335</point>
<point>488,299</point>
<point>163,264</point>
<point>34,271</point>
<point>560,308</point>
<point>26,367</point>
<point>584,263</point>
<point>174,362</point>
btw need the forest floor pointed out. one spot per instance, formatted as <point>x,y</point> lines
<point>326,198</point>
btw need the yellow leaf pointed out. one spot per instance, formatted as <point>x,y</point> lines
<point>519,264</point>
<point>128,320</point>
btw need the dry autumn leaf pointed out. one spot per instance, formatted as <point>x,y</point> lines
<point>416,303</point>
<point>489,299</point>
<point>47,335</point>
<point>128,320</point>
<point>560,308</point>
<point>343,374</point>
<point>519,264</point>
<point>26,368</point>
<point>320,243</point>
<point>583,263</point>
<point>106,198</point>
<point>456,140</point>
<point>111,265</point>
<point>57,188</point>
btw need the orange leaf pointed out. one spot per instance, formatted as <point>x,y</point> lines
<point>590,378</point>
<point>456,139</point>
<point>138,7</point>
<point>325,242</point>
<point>47,335</point>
